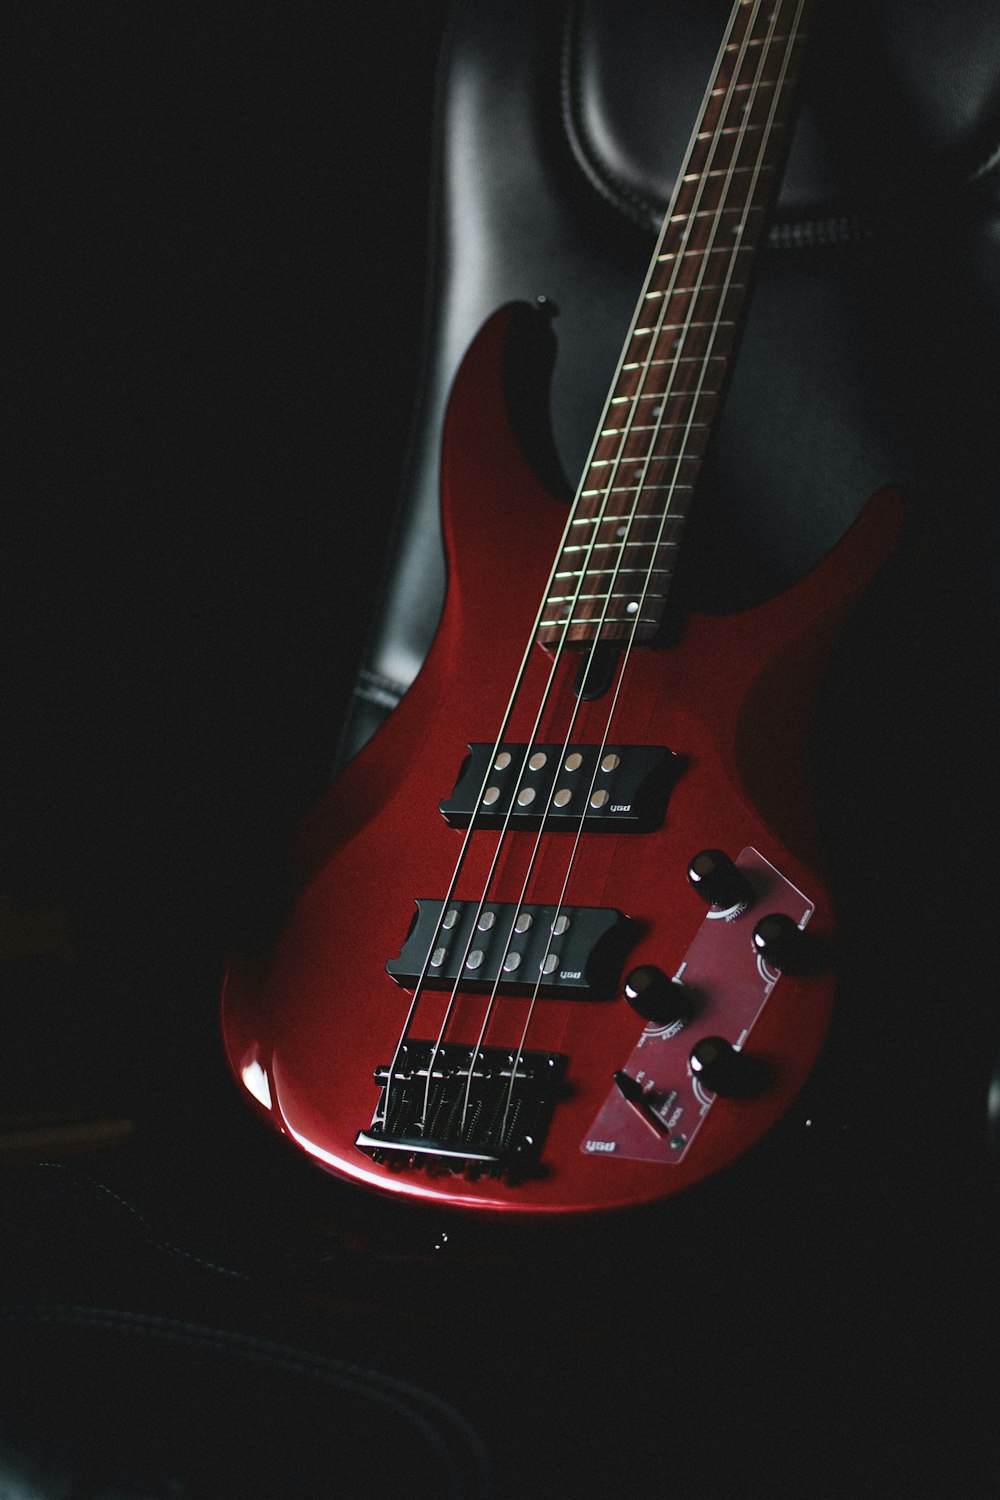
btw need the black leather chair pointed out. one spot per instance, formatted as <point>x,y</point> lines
<point>808,1330</point>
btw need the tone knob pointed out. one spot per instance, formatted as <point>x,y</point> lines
<point>657,998</point>
<point>718,881</point>
<point>783,945</point>
<point>724,1070</point>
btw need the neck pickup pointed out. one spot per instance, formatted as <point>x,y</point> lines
<point>606,788</point>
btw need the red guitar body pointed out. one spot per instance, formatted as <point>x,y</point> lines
<point>306,1030</point>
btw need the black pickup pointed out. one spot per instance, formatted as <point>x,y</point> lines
<point>606,788</point>
<point>573,952</point>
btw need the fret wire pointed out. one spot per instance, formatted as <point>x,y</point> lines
<point>679,359</point>
<point>666,396</point>
<point>738,88</point>
<point>639,489</point>
<point>770,41</point>
<point>725,172</point>
<point>639,459</point>
<point>677,327</point>
<point>603,521</point>
<point>599,573</point>
<point>709,135</point>
<point>719,214</point>
<point>603,594</point>
<point>653,427</point>
<point>635,461</point>
<point>606,520</point>
<point>605,620</point>
<point>614,545</point>
<point>718,172</point>
<point>714,213</point>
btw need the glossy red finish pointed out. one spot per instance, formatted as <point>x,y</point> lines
<point>306,1029</point>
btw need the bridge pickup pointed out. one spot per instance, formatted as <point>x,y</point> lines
<point>494,1123</point>
<point>607,788</point>
<point>572,952</point>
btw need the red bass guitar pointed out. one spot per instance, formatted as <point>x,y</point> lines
<point>559,944</point>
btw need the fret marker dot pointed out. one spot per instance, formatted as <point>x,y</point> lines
<point>538,760</point>
<point>657,410</point>
<point>632,608</point>
<point>490,795</point>
<point>621,532</point>
<point>526,796</point>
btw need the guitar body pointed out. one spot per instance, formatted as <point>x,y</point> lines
<point>306,1030</point>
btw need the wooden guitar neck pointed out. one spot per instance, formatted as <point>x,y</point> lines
<point>618,554</point>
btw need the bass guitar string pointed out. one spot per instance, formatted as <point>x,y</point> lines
<point>382,1113</point>
<point>620,459</point>
<point>435,1051</point>
<point>765,138</point>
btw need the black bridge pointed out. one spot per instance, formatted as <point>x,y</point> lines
<point>607,788</point>
<point>572,952</point>
<point>496,1123</point>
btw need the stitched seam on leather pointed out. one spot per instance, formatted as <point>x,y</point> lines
<point>647,211</point>
<point>157,1244</point>
<point>834,229</point>
<point>378,689</point>
<point>989,164</point>
<point>390,1390</point>
<point>634,205</point>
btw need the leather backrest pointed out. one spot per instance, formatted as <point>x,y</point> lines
<point>560,131</point>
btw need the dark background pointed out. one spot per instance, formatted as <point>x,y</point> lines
<point>216,218</point>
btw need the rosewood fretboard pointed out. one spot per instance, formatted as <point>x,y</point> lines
<point>619,548</point>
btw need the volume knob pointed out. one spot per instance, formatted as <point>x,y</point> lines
<point>724,1070</point>
<point>718,881</point>
<point>783,945</point>
<point>657,998</point>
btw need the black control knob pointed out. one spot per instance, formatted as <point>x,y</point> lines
<point>657,998</point>
<point>783,945</point>
<point>724,1070</point>
<point>718,881</point>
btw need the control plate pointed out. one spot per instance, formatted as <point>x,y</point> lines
<point>730,984</point>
